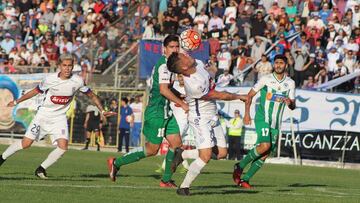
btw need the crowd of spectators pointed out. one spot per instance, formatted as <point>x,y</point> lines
<point>240,31</point>
<point>34,33</point>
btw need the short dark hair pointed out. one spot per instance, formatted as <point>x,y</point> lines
<point>170,38</point>
<point>339,61</point>
<point>126,100</point>
<point>282,57</point>
<point>172,62</point>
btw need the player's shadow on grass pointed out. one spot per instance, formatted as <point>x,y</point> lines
<point>306,185</point>
<point>225,192</point>
<point>212,172</point>
<point>158,177</point>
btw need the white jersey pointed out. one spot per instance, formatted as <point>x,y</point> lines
<point>58,94</point>
<point>198,85</point>
<point>178,112</point>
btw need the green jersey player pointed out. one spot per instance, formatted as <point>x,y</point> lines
<point>276,91</point>
<point>158,121</point>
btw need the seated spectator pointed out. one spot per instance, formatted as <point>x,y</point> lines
<point>263,68</point>
<point>309,83</point>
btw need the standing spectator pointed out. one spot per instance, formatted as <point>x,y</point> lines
<point>126,121</point>
<point>235,128</point>
<point>224,59</point>
<point>137,108</point>
<point>7,44</point>
<point>300,58</point>
<point>259,47</point>
<point>149,32</point>
<point>258,25</point>
<point>112,123</point>
<point>201,20</point>
<point>92,125</point>
<point>224,79</point>
<point>263,68</point>
<point>332,57</point>
<point>230,12</point>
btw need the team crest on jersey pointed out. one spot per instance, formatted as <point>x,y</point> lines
<point>286,85</point>
<point>60,99</point>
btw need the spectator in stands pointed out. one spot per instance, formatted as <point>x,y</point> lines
<point>8,43</point>
<point>263,68</point>
<point>224,79</point>
<point>332,57</point>
<point>309,83</point>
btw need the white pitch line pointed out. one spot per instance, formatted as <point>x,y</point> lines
<point>86,186</point>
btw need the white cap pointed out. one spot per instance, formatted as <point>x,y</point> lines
<point>30,38</point>
<point>78,38</point>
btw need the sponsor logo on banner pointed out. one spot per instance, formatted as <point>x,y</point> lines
<point>60,99</point>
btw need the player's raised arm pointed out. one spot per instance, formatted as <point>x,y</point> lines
<point>26,96</point>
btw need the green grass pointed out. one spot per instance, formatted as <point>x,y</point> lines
<point>81,176</point>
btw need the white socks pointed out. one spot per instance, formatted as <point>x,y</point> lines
<point>185,164</point>
<point>194,171</point>
<point>53,157</point>
<point>12,149</point>
<point>190,154</point>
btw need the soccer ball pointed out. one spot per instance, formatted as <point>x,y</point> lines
<point>129,118</point>
<point>190,40</point>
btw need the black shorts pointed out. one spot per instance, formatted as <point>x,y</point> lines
<point>93,128</point>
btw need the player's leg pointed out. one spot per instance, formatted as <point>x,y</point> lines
<point>263,146</point>
<point>258,163</point>
<point>173,137</point>
<point>153,132</point>
<point>121,138</point>
<point>97,138</point>
<point>127,139</point>
<point>88,135</point>
<point>33,132</point>
<point>14,147</point>
<point>56,154</point>
<point>194,170</point>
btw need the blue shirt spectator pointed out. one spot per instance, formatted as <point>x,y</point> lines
<point>125,111</point>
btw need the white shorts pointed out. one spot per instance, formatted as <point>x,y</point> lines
<point>208,133</point>
<point>41,126</point>
<point>181,119</point>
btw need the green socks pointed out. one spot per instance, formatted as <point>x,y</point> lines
<point>255,166</point>
<point>130,157</point>
<point>169,158</point>
<point>251,156</point>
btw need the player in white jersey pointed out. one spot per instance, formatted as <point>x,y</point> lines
<point>201,96</point>
<point>59,89</point>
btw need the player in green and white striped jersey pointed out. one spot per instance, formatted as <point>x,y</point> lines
<point>276,91</point>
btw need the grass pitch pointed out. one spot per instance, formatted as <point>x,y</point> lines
<point>81,176</point>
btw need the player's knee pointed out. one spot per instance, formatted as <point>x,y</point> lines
<point>26,143</point>
<point>222,154</point>
<point>264,147</point>
<point>205,157</point>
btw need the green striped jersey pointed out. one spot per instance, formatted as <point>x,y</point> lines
<point>158,105</point>
<point>272,91</point>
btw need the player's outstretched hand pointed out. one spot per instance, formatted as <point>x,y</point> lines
<point>287,101</point>
<point>247,119</point>
<point>243,98</point>
<point>109,113</point>
<point>11,104</point>
<point>185,107</point>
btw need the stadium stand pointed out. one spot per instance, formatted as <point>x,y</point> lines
<point>104,34</point>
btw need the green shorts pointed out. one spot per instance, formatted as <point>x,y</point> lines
<point>155,129</point>
<point>266,134</point>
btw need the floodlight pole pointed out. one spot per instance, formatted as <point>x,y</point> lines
<point>293,137</point>
<point>343,151</point>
